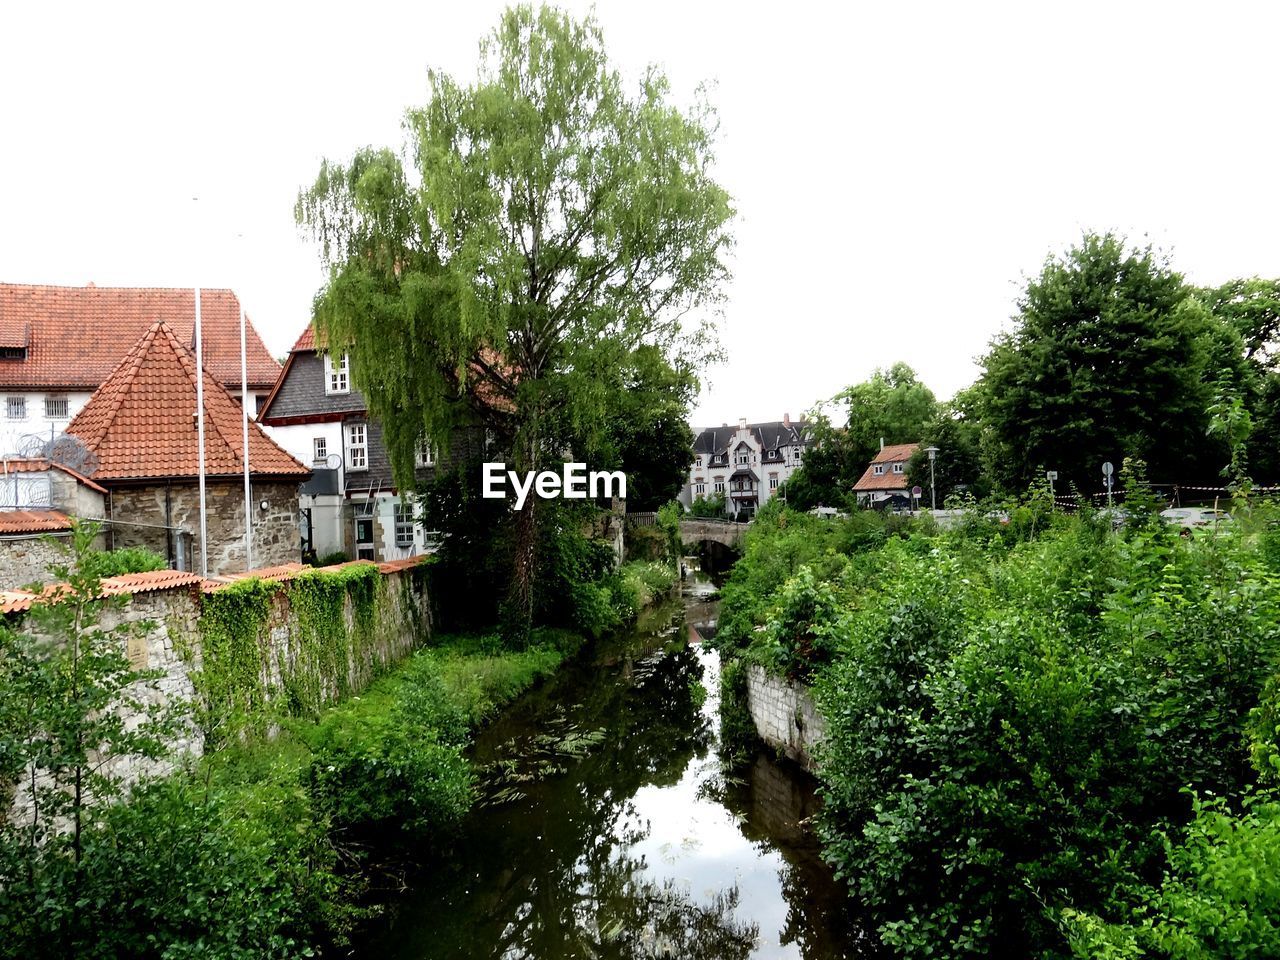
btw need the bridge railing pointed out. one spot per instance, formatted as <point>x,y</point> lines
<point>642,518</point>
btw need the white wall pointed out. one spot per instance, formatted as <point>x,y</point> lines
<point>14,432</point>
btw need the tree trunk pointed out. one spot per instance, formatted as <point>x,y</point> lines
<point>518,615</point>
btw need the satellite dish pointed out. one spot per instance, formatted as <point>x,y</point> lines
<point>333,461</point>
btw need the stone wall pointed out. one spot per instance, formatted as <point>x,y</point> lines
<point>167,640</point>
<point>26,560</point>
<point>785,715</point>
<point>140,516</point>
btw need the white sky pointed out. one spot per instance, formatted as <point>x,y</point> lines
<point>897,168</point>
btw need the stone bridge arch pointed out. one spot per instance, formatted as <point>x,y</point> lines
<point>698,530</point>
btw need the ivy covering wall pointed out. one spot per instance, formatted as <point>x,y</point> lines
<point>269,649</point>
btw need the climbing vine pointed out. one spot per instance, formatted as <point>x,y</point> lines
<point>342,636</point>
<point>232,682</point>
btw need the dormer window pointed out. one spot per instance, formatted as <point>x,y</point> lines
<point>337,376</point>
<point>878,470</point>
<point>13,353</point>
<point>897,468</point>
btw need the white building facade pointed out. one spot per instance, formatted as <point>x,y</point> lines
<point>748,464</point>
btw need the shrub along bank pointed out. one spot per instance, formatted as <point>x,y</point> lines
<point>1046,737</point>
<point>260,849</point>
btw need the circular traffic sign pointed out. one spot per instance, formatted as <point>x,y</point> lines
<point>1107,469</point>
<point>916,491</point>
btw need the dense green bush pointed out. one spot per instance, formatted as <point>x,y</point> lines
<point>115,563</point>
<point>1015,710</point>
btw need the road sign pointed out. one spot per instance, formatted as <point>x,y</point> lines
<point>1053,474</point>
<point>916,491</point>
<point>1107,469</point>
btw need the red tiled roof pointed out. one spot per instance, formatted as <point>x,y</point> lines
<point>15,601</point>
<point>33,521</point>
<point>77,334</point>
<point>305,342</point>
<point>894,453</point>
<point>141,423</point>
<point>131,583</point>
<point>42,466</point>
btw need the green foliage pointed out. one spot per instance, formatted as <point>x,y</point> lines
<point>1109,359</point>
<point>332,559</point>
<point>331,653</point>
<point>555,222</point>
<point>712,507</point>
<point>737,738</point>
<point>1013,713</point>
<point>114,563</point>
<point>893,405</point>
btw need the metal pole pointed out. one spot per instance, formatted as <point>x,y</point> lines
<point>204,527</point>
<point>244,407</point>
<point>933,488</point>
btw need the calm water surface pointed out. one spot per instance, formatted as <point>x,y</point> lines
<point>608,830</point>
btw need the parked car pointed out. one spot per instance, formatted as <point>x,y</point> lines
<point>1195,516</point>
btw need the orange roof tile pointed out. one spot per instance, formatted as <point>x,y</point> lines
<point>141,423</point>
<point>15,601</point>
<point>33,521</point>
<point>131,583</point>
<point>76,335</point>
<point>888,480</point>
<point>21,465</point>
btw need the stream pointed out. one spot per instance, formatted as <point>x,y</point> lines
<point>606,827</point>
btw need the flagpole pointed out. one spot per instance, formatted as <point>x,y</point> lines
<point>244,409</point>
<point>204,527</point>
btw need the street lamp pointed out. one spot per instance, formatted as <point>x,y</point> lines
<point>933,487</point>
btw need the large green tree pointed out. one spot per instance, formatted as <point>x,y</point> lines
<point>1110,357</point>
<point>555,222</point>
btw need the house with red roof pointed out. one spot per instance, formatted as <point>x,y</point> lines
<point>59,344</point>
<point>886,475</point>
<point>139,437</point>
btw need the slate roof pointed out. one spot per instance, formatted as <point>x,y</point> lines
<point>893,453</point>
<point>75,336</point>
<point>141,423</point>
<point>770,436</point>
<point>33,521</point>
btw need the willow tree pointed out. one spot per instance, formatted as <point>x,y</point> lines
<point>553,222</point>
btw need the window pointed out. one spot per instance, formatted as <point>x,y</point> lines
<point>404,525</point>
<point>878,469</point>
<point>56,408</point>
<point>357,447</point>
<point>897,468</point>
<point>697,461</point>
<point>259,401</point>
<point>13,353</point>
<point>337,377</point>
<point>743,457</point>
<point>425,455</point>
<point>319,450</point>
<point>699,488</point>
<point>719,485</point>
<point>773,481</point>
<point>17,408</point>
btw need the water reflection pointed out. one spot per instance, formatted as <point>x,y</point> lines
<point>609,831</point>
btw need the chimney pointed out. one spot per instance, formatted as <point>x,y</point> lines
<point>786,419</point>
<point>742,423</point>
<point>882,443</point>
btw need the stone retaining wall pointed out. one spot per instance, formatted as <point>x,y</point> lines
<point>785,715</point>
<point>165,606</point>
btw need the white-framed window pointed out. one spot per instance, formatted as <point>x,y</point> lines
<point>319,450</point>
<point>699,488</point>
<point>773,481</point>
<point>878,469</point>
<point>337,376</point>
<point>404,525</point>
<point>357,446</point>
<point>425,454</point>
<point>718,487</point>
<point>56,408</point>
<point>16,408</point>
<point>697,461</point>
<point>897,468</point>
<point>743,457</point>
